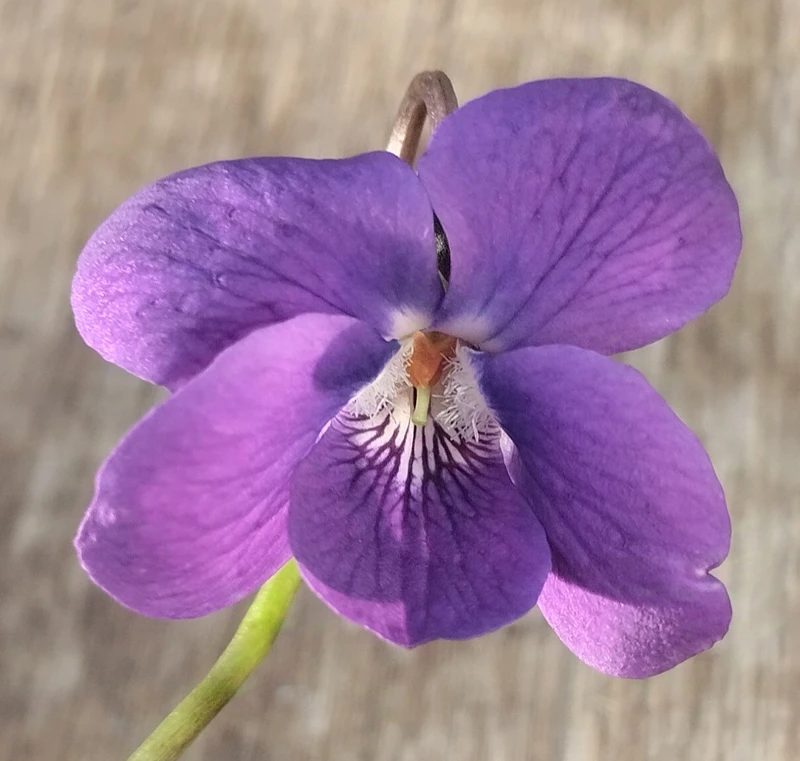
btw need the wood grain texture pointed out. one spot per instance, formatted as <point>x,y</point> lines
<point>98,97</point>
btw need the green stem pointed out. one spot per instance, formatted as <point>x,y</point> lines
<point>252,641</point>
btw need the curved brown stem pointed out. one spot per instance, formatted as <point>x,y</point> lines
<point>430,95</point>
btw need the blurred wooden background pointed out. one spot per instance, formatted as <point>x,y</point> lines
<point>98,97</point>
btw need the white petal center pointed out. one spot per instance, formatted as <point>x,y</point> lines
<point>456,404</point>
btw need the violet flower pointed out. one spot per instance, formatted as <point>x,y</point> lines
<point>295,309</point>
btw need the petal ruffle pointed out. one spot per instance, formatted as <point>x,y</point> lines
<point>412,535</point>
<point>189,511</point>
<point>197,260</point>
<point>631,506</point>
<point>587,212</point>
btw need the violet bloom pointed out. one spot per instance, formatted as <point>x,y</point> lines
<point>295,309</point>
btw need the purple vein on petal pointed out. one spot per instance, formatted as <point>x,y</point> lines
<point>414,534</point>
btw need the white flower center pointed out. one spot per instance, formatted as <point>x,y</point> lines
<point>453,401</point>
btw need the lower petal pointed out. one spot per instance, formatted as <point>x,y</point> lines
<point>632,508</point>
<point>413,534</point>
<point>189,513</point>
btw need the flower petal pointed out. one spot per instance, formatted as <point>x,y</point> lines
<point>635,640</point>
<point>189,510</point>
<point>631,506</point>
<point>194,262</point>
<point>413,535</point>
<point>588,212</point>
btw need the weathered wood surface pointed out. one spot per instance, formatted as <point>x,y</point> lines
<point>98,97</point>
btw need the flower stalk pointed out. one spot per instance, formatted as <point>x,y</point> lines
<point>430,95</point>
<point>251,642</point>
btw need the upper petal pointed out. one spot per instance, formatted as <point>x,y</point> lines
<point>197,260</point>
<point>412,534</point>
<point>589,212</point>
<point>630,503</point>
<point>189,511</point>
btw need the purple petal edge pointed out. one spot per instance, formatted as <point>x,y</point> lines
<point>632,508</point>
<point>194,262</point>
<point>189,513</point>
<point>588,212</point>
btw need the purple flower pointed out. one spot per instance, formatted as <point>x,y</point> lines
<point>295,310</point>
